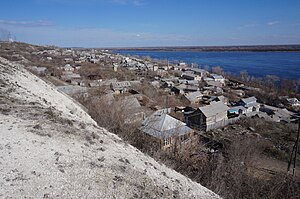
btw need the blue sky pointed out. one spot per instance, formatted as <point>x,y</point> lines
<point>135,23</point>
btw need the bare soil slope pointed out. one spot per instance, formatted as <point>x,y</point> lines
<point>51,148</point>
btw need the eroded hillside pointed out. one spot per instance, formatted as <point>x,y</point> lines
<point>51,148</point>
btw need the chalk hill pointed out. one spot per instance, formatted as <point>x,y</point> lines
<point>51,148</point>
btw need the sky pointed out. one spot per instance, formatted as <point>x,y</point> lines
<point>146,23</point>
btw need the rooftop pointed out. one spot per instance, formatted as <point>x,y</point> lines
<point>162,125</point>
<point>214,109</point>
<point>249,100</point>
<point>197,70</point>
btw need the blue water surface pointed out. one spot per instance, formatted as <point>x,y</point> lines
<point>259,64</point>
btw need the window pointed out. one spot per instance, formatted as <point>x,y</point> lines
<point>184,137</point>
<point>167,141</point>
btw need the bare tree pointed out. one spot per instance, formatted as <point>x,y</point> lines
<point>244,75</point>
<point>217,70</point>
<point>270,82</point>
<point>288,86</point>
<point>207,68</point>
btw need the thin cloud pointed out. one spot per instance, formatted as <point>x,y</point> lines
<point>39,23</point>
<point>272,23</point>
<point>137,2</point>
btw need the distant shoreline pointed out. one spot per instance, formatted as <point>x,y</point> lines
<point>284,64</point>
<point>260,48</point>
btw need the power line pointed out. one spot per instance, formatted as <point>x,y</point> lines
<point>293,157</point>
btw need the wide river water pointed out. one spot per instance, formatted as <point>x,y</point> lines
<point>258,64</point>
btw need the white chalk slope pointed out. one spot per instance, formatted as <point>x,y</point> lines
<point>51,148</point>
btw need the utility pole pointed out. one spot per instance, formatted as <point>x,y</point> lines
<point>293,157</point>
<point>166,103</point>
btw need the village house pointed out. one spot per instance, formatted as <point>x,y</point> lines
<point>68,67</point>
<point>77,67</point>
<point>164,67</point>
<point>67,52</point>
<point>249,104</point>
<point>239,93</point>
<point>175,67</point>
<point>214,89</point>
<point>69,76</point>
<point>183,65</point>
<point>215,81</point>
<point>171,79</point>
<point>166,130</point>
<point>208,117</point>
<point>188,82</point>
<point>190,76</point>
<point>127,62</point>
<point>149,66</point>
<point>120,87</point>
<point>95,83</point>
<point>212,83</point>
<point>94,61</point>
<point>278,114</point>
<point>218,78</point>
<point>167,84</point>
<point>68,59</point>
<point>78,82</point>
<point>187,88</point>
<point>78,61</point>
<point>293,101</point>
<point>194,97</point>
<point>94,77</point>
<point>82,59</point>
<point>199,72</point>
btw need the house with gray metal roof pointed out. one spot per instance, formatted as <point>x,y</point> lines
<point>250,104</point>
<point>198,71</point>
<point>194,97</point>
<point>218,78</point>
<point>187,88</point>
<point>166,129</point>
